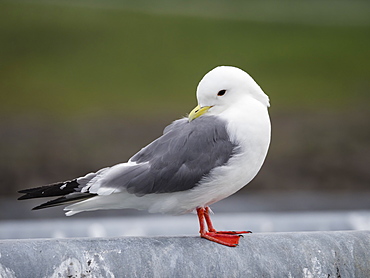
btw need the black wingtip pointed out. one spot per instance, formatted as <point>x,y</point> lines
<point>26,193</point>
<point>52,203</point>
<point>69,192</point>
<point>65,200</point>
<point>45,205</point>
<point>24,197</point>
<point>37,207</point>
<point>51,190</point>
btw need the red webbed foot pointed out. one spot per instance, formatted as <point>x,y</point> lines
<point>231,240</point>
<point>232,232</point>
<point>228,238</point>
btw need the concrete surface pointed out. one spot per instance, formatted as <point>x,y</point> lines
<point>162,225</point>
<point>308,254</point>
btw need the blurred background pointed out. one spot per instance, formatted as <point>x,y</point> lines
<point>86,84</point>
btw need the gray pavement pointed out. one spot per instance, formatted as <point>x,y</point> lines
<point>308,254</point>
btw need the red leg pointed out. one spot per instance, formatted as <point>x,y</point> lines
<point>226,238</point>
<point>208,220</point>
<point>212,229</point>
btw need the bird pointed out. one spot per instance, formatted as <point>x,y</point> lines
<point>200,159</point>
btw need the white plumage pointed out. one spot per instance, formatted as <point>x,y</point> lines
<point>198,160</point>
<point>244,109</point>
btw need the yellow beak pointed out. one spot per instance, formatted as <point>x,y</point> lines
<point>197,112</point>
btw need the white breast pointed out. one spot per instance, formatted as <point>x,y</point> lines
<point>248,127</point>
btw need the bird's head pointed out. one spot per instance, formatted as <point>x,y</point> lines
<point>224,86</point>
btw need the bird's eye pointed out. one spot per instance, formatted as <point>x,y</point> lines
<point>221,93</point>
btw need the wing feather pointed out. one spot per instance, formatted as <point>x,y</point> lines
<point>176,161</point>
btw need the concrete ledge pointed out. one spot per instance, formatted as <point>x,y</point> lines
<point>304,254</point>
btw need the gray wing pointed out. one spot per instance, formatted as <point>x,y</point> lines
<point>176,161</point>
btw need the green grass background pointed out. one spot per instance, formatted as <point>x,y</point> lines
<point>85,84</point>
<point>68,59</point>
